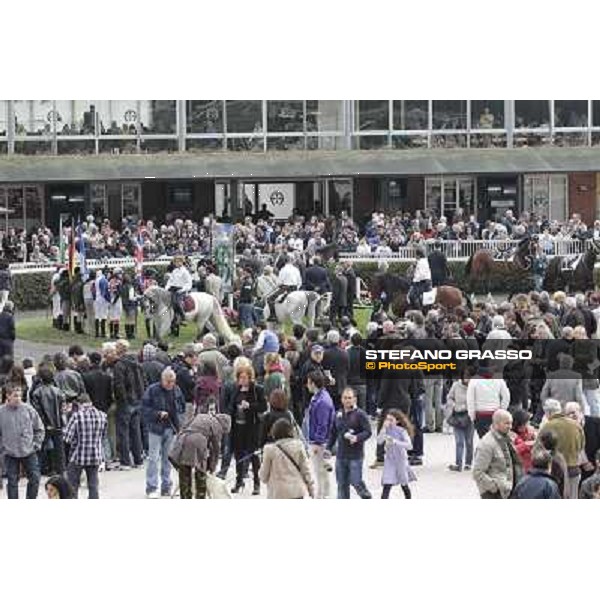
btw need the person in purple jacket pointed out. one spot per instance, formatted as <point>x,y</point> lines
<point>320,417</point>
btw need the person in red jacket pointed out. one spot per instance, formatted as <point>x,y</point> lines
<point>523,437</point>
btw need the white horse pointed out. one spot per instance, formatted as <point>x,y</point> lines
<point>207,312</point>
<point>300,304</point>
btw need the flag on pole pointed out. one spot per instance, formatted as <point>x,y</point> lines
<point>139,256</point>
<point>72,254</point>
<point>82,261</point>
<point>61,242</point>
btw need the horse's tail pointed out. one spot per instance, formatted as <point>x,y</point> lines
<point>221,324</point>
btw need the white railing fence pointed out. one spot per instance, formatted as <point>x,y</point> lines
<point>455,251</point>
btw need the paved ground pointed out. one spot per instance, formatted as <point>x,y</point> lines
<point>434,479</point>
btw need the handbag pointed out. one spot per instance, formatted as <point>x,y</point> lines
<point>461,420</point>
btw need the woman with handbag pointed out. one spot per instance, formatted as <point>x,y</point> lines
<point>285,469</point>
<point>245,402</point>
<point>459,420</point>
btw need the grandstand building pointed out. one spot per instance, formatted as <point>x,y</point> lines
<point>160,158</point>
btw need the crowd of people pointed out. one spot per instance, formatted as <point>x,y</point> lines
<point>259,232</point>
<point>286,404</point>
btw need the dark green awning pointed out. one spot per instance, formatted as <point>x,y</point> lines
<point>297,165</point>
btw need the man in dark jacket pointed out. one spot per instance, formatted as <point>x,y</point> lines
<point>351,429</point>
<point>351,292</point>
<point>356,365</point>
<point>316,277</point>
<point>99,386</point>
<point>7,330</point>
<point>77,301</point>
<point>538,484</point>
<point>438,265</point>
<point>186,379</point>
<point>151,366</point>
<point>129,388</point>
<point>48,401</point>
<point>336,364</point>
<point>339,297</point>
<point>163,405</point>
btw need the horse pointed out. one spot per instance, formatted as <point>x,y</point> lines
<point>298,304</point>
<point>482,265</point>
<point>573,274</point>
<point>205,310</point>
<point>396,290</point>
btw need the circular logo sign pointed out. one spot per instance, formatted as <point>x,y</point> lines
<point>277,198</point>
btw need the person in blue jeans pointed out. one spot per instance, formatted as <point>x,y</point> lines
<point>21,438</point>
<point>246,301</point>
<point>162,406</point>
<point>351,430</point>
<point>456,405</point>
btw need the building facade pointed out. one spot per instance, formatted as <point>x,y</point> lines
<point>165,158</point>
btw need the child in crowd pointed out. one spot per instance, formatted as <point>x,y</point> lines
<point>396,433</point>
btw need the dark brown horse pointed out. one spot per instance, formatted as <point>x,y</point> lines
<point>392,292</point>
<point>483,266</point>
<point>561,275</point>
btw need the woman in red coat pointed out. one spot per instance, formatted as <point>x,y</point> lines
<point>523,437</point>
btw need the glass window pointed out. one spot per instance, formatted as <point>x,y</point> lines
<point>570,113</point>
<point>76,146</point>
<point>373,115</point>
<point>131,201</point>
<point>546,195</point>
<point>373,142</point>
<point>15,205</point>
<point>244,116</point>
<point>325,117</point>
<point>33,117</point>
<point>157,145</point>
<point>595,113</point>
<point>450,197</point>
<point>488,140</point>
<point>98,200</point>
<point>405,142</point>
<point>75,117</point>
<point>159,117</point>
<point>532,114</point>
<point>449,114</point>
<point>117,117</point>
<point>411,115</point>
<point>340,196</point>
<point>34,200</point>
<point>285,115</point>
<point>204,116</point>
<point>203,145</point>
<point>451,140</point>
<point>487,114</point>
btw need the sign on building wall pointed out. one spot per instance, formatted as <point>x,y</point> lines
<point>280,198</point>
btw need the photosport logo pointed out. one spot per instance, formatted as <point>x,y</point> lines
<point>413,356</point>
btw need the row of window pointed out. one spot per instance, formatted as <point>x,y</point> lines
<point>134,126</point>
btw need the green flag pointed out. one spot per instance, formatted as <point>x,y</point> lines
<point>61,242</point>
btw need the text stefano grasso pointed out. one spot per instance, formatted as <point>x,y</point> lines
<point>412,354</point>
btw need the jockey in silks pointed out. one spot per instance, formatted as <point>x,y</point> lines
<point>289,280</point>
<point>101,296</point>
<point>421,282</point>
<point>179,283</point>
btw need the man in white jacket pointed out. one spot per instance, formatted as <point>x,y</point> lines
<point>289,280</point>
<point>486,394</point>
<point>180,282</point>
<point>421,282</point>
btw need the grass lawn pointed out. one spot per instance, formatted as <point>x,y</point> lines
<point>39,329</point>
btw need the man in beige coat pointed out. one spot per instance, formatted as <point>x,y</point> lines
<point>497,467</point>
<point>286,468</point>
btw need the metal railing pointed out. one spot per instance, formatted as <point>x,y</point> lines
<point>455,250</point>
<point>461,250</point>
